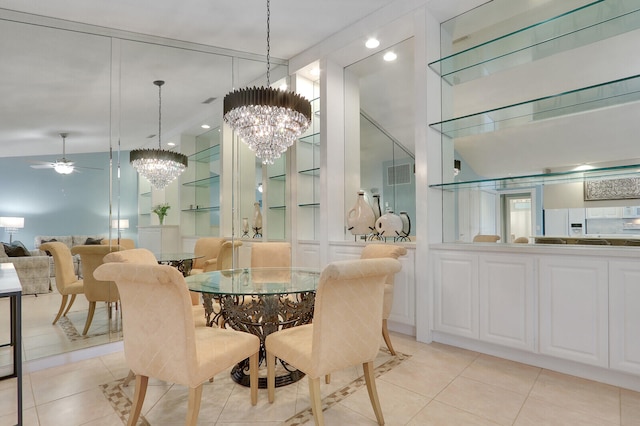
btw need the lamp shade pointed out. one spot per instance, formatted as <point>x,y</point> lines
<point>12,222</point>
<point>120,224</point>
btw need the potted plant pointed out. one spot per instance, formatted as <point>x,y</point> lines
<point>161,210</point>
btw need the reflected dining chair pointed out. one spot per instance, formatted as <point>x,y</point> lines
<point>94,290</point>
<point>271,254</point>
<point>376,251</point>
<point>521,240</point>
<point>125,243</point>
<point>67,282</point>
<point>345,330</point>
<point>206,250</point>
<point>481,238</point>
<point>227,251</point>
<point>160,339</point>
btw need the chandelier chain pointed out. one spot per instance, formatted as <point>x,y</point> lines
<point>159,116</point>
<point>268,43</point>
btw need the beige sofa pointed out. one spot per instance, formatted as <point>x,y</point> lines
<point>33,271</point>
<point>69,241</point>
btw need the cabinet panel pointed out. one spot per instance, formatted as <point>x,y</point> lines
<point>160,239</point>
<point>403,308</point>
<point>456,294</point>
<point>506,292</point>
<point>624,316</point>
<point>574,309</point>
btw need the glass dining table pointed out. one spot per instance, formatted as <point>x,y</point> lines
<point>181,261</point>
<point>258,301</point>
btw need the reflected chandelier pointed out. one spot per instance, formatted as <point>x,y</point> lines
<point>268,120</point>
<point>160,167</point>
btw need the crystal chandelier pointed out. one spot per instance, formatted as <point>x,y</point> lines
<point>160,167</point>
<point>268,120</point>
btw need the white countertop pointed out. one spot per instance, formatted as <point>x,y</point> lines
<point>9,282</point>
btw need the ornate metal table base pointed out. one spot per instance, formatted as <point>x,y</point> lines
<point>261,315</point>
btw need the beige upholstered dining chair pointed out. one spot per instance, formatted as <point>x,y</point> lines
<point>67,282</point>
<point>225,257</point>
<point>521,240</point>
<point>376,251</point>
<point>271,254</point>
<point>208,248</point>
<point>94,290</point>
<point>345,330</point>
<point>125,243</point>
<point>481,238</point>
<point>160,339</point>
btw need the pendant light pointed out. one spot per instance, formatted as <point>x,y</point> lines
<point>268,120</point>
<point>160,167</point>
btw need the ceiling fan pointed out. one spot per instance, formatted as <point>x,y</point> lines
<point>61,165</point>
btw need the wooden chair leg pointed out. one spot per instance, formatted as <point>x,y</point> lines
<point>195,396</point>
<point>370,379</point>
<point>129,378</point>
<point>327,378</point>
<point>63,303</point>
<point>387,339</point>
<point>316,400</point>
<point>253,377</point>
<point>73,299</point>
<point>271,376</point>
<point>92,310</point>
<point>138,399</point>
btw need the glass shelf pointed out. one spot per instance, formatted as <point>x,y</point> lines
<point>203,183</point>
<point>587,24</point>
<point>277,207</point>
<point>309,205</point>
<point>313,139</point>
<point>615,92</point>
<point>206,155</point>
<point>278,177</point>
<point>617,172</point>
<point>202,209</point>
<point>312,172</point>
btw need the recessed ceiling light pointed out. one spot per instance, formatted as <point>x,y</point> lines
<point>171,144</point>
<point>390,56</point>
<point>205,126</point>
<point>372,43</point>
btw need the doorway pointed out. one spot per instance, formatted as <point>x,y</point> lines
<point>516,215</point>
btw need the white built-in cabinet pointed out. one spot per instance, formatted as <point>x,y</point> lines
<point>160,239</point>
<point>604,212</point>
<point>579,305</point>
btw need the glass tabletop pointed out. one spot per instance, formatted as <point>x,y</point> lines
<point>176,257</point>
<point>255,281</point>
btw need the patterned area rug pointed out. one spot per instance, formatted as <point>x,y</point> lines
<point>122,404</point>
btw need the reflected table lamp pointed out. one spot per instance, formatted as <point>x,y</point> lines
<point>11,225</point>
<point>120,225</point>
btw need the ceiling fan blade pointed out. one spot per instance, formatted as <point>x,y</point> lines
<point>87,168</point>
<point>42,166</point>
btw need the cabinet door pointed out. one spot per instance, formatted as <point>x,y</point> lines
<point>404,292</point>
<point>624,316</point>
<point>506,291</point>
<point>456,294</point>
<point>574,309</point>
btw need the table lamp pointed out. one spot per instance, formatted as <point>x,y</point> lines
<point>11,225</point>
<point>120,225</point>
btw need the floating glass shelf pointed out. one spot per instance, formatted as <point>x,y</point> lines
<point>206,155</point>
<point>146,194</point>
<point>203,183</point>
<point>202,209</point>
<point>587,24</point>
<point>277,207</point>
<point>313,172</point>
<point>278,177</point>
<point>312,139</point>
<point>618,172</point>
<point>309,205</point>
<point>615,92</point>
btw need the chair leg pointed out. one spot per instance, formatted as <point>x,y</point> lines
<point>129,378</point>
<point>73,299</point>
<point>387,339</point>
<point>316,400</point>
<point>92,310</point>
<point>63,303</point>
<point>271,376</point>
<point>253,377</point>
<point>195,396</point>
<point>370,379</point>
<point>327,378</point>
<point>138,399</point>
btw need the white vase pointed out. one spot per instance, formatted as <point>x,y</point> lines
<point>389,224</point>
<point>361,219</point>
<point>257,217</point>
<point>245,225</point>
<point>406,223</point>
<point>377,212</point>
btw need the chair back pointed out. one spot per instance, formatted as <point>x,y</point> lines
<point>521,240</point>
<point>225,257</point>
<point>139,255</point>
<point>348,313</point>
<point>208,248</point>
<point>271,254</point>
<point>159,337</point>
<point>125,243</point>
<point>91,256</point>
<point>63,261</point>
<point>378,251</point>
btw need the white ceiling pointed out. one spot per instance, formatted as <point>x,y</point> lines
<point>61,75</point>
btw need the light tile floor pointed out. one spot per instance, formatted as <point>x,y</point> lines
<point>436,385</point>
